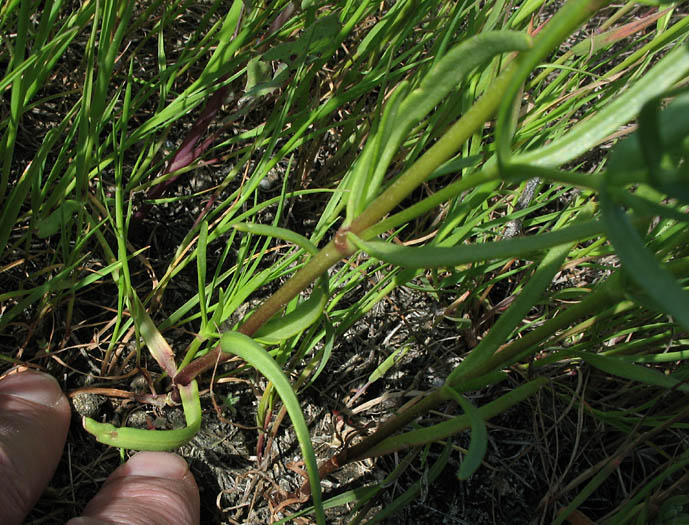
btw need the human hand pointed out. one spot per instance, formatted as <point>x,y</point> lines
<point>151,488</point>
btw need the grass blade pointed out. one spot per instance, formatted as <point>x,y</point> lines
<point>641,266</point>
<point>456,424</point>
<point>278,233</point>
<point>243,346</point>
<point>479,436</point>
<point>438,256</point>
<point>623,368</point>
<point>304,315</point>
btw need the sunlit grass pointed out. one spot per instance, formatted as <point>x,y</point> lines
<point>282,171</point>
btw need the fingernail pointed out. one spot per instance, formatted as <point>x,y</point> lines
<point>33,386</point>
<point>158,465</point>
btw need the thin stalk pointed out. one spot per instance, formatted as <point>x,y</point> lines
<point>605,296</point>
<point>571,16</point>
<point>446,147</point>
<point>487,174</point>
<point>339,248</point>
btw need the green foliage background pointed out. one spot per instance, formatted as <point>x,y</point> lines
<point>452,148</point>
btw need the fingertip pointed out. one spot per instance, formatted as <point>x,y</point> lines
<point>35,387</point>
<point>34,419</point>
<point>156,464</point>
<point>152,487</point>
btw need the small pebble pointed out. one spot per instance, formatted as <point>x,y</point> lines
<point>138,419</point>
<point>88,405</point>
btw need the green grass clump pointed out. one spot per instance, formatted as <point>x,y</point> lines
<point>209,180</point>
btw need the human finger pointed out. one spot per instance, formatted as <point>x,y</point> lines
<point>151,488</point>
<point>34,419</point>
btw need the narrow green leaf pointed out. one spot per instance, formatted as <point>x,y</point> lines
<point>326,351</point>
<point>567,19</point>
<point>457,424</point>
<point>59,219</point>
<point>666,357</point>
<point>156,343</point>
<point>201,272</point>
<point>350,496</point>
<point>435,256</point>
<point>387,364</point>
<point>405,109</point>
<point>278,233</point>
<point>478,443</point>
<point>227,45</point>
<point>641,265</point>
<point>623,368</point>
<point>253,353</point>
<point>591,131</point>
<point>218,313</point>
<point>366,178</point>
<point>646,207</point>
<point>304,315</point>
<point>656,2</point>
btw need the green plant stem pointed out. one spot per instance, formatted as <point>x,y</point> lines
<point>446,147</point>
<point>563,23</point>
<point>140,439</point>
<point>568,18</point>
<point>326,258</point>
<point>339,248</point>
<point>451,427</point>
<point>489,173</point>
<point>416,407</point>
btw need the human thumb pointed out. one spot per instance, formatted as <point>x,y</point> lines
<point>151,488</point>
